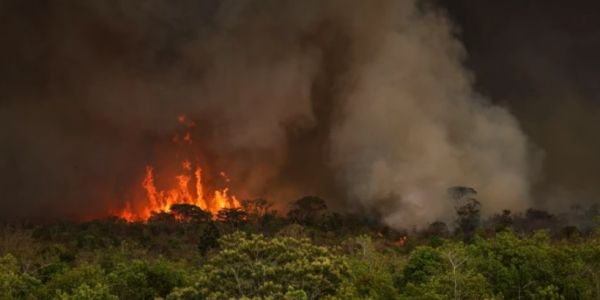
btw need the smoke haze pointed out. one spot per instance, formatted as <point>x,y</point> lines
<point>540,59</point>
<point>367,104</point>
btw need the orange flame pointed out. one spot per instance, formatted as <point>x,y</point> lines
<point>182,193</point>
<point>161,200</point>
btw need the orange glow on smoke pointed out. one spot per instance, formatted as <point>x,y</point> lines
<point>188,188</point>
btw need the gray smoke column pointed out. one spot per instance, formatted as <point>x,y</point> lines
<point>412,126</point>
<point>365,103</point>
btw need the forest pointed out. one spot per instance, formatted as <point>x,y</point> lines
<point>254,252</point>
<point>299,149</point>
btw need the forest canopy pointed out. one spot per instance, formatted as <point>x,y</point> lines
<point>311,253</point>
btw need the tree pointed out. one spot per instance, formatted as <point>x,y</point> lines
<point>256,267</point>
<point>29,254</point>
<point>85,292</point>
<point>162,222</point>
<point>456,257</point>
<point>460,193</point>
<point>141,279</point>
<point>190,213</point>
<point>467,209</point>
<point>423,263</point>
<point>502,222</point>
<point>371,272</point>
<point>293,230</point>
<point>209,239</point>
<point>468,218</point>
<point>69,280</point>
<point>590,255</point>
<point>16,285</point>
<point>331,222</point>
<point>437,229</point>
<point>536,219</point>
<point>306,209</point>
<point>444,273</point>
<point>256,208</point>
<point>516,268</point>
<point>186,293</point>
<point>232,216</point>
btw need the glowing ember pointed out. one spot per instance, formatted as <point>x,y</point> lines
<point>188,189</point>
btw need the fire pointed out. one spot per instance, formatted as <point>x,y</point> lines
<point>188,188</point>
<point>183,193</point>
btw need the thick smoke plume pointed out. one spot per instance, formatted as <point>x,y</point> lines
<point>365,103</point>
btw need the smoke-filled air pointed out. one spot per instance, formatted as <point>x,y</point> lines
<point>115,107</point>
<point>299,149</point>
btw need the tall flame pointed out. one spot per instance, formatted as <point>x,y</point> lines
<point>183,191</point>
<point>161,200</point>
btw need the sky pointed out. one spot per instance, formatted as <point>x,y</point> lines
<point>540,59</point>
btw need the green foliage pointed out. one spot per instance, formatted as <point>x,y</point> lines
<point>16,285</point>
<point>445,272</point>
<point>584,266</point>
<point>183,255</point>
<point>515,267</point>
<point>141,279</point>
<point>253,266</point>
<point>371,272</point>
<point>186,293</point>
<point>81,277</point>
<point>294,230</point>
<point>295,295</point>
<point>423,263</point>
<point>85,292</point>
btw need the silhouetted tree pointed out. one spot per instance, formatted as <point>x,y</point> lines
<point>437,229</point>
<point>468,218</point>
<point>536,219</point>
<point>232,216</point>
<point>569,232</point>
<point>331,222</point>
<point>467,209</point>
<point>162,222</point>
<point>190,213</point>
<point>271,222</point>
<point>460,193</point>
<point>501,222</point>
<point>306,209</point>
<point>256,208</point>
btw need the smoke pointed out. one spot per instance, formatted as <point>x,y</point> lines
<point>541,64</point>
<point>366,104</point>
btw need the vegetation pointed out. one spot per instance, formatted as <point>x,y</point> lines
<point>311,253</point>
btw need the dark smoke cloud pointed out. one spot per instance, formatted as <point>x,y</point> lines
<point>540,58</point>
<point>364,103</point>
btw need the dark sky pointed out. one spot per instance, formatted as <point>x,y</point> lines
<point>541,60</point>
